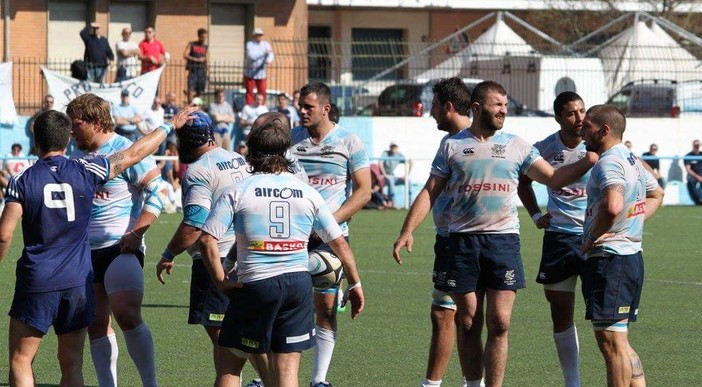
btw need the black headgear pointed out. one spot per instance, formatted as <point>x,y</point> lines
<point>194,135</point>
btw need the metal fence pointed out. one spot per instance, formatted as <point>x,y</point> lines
<point>360,70</point>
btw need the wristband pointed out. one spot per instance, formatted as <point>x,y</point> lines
<point>167,127</point>
<point>167,255</point>
<point>135,234</point>
<point>536,217</point>
<point>354,286</point>
<point>591,237</point>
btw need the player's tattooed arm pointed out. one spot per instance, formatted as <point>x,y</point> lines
<point>619,188</point>
<point>116,164</point>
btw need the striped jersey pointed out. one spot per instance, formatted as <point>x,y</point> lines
<point>273,216</point>
<point>619,166</point>
<point>566,205</point>
<point>56,195</point>
<point>482,178</point>
<point>117,204</point>
<point>330,163</point>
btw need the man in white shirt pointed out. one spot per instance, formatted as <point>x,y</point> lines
<point>127,56</point>
<point>250,112</point>
<point>153,118</point>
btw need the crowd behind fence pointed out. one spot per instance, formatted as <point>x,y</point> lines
<point>365,68</point>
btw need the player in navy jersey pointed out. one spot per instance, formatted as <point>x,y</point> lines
<point>480,167</point>
<point>621,195</point>
<point>561,258</point>
<point>273,214</point>
<point>339,169</point>
<point>54,273</point>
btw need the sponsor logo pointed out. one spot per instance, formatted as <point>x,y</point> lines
<point>624,309</point>
<point>326,151</point>
<point>636,210</point>
<point>469,151</point>
<point>581,155</point>
<point>53,169</point>
<point>559,159</point>
<point>477,187</point>
<point>509,277</point>
<point>322,181</point>
<point>570,192</point>
<point>301,149</point>
<point>233,163</point>
<point>102,195</point>
<point>542,275</point>
<point>249,343</point>
<point>283,193</point>
<point>216,317</point>
<point>498,151</point>
<point>278,246</point>
<point>451,283</point>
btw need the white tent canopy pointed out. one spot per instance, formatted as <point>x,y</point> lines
<point>641,52</point>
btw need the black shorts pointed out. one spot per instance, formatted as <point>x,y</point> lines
<point>273,314</point>
<point>102,258</point>
<point>612,287</point>
<point>483,261</point>
<point>197,80</point>
<point>66,310</point>
<point>560,257</point>
<point>441,254</point>
<point>207,303</point>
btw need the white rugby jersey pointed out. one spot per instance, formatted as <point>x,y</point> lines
<point>330,163</point>
<point>203,183</point>
<point>442,205</point>
<point>117,204</point>
<point>482,178</point>
<point>619,166</point>
<point>273,216</point>
<point>566,205</point>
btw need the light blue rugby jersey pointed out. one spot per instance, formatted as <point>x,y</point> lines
<point>442,205</point>
<point>204,182</point>
<point>566,205</point>
<point>330,163</point>
<point>273,216</point>
<point>482,178</point>
<point>117,204</point>
<point>619,166</point>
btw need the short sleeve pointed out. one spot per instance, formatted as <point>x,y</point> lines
<point>440,166</point>
<point>358,158</point>
<point>197,199</point>
<point>611,173</point>
<point>222,215</point>
<point>324,223</point>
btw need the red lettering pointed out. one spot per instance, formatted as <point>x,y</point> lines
<point>102,195</point>
<point>636,210</point>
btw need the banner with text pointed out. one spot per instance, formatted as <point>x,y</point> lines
<point>8,114</point>
<point>142,89</point>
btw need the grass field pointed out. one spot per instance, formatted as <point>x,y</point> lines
<point>387,344</point>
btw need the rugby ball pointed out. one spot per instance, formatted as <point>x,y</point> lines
<point>325,268</point>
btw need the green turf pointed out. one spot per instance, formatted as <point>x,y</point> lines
<point>387,344</point>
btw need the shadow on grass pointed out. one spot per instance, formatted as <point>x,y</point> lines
<point>161,306</point>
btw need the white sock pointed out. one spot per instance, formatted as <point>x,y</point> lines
<point>429,383</point>
<point>140,345</point>
<point>323,350</point>
<point>567,349</point>
<point>473,383</point>
<point>104,352</point>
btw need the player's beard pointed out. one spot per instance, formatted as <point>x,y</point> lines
<point>489,122</point>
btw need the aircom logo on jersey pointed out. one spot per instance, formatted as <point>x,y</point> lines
<point>637,209</point>
<point>234,163</point>
<point>498,151</point>
<point>282,193</point>
<point>278,246</point>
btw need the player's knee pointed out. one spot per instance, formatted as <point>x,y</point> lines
<point>498,325</point>
<point>443,318</point>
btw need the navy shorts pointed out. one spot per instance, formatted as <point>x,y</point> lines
<point>612,287</point>
<point>483,261</point>
<point>441,254</point>
<point>560,257</point>
<point>67,310</point>
<point>274,314</point>
<point>207,303</point>
<point>102,258</point>
<point>197,80</point>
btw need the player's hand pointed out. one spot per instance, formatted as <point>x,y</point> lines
<point>405,241</point>
<point>228,284</point>
<point>544,221</point>
<point>354,295</point>
<point>183,115</point>
<point>162,265</point>
<point>588,243</point>
<point>129,243</point>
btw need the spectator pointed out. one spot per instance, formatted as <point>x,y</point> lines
<point>169,174</point>
<point>242,148</point>
<point>222,116</point>
<point>13,167</point>
<point>653,162</point>
<point>98,54</point>
<point>296,99</point>
<point>378,200</point>
<point>250,112</point>
<point>127,56</point>
<point>391,158</point>
<point>126,118</point>
<point>154,117</point>
<point>694,174</point>
<point>46,104</point>
<point>170,108</point>
<point>153,54</point>
<point>289,111</point>
<point>628,144</point>
<point>258,54</point>
<point>196,55</point>
<point>334,113</point>
<point>197,101</point>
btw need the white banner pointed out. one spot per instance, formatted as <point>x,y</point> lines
<point>142,89</point>
<point>8,114</point>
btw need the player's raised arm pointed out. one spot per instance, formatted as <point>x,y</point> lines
<point>542,172</point>
<point>148,144</point>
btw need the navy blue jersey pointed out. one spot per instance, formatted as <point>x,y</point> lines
<point>56,195</point>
